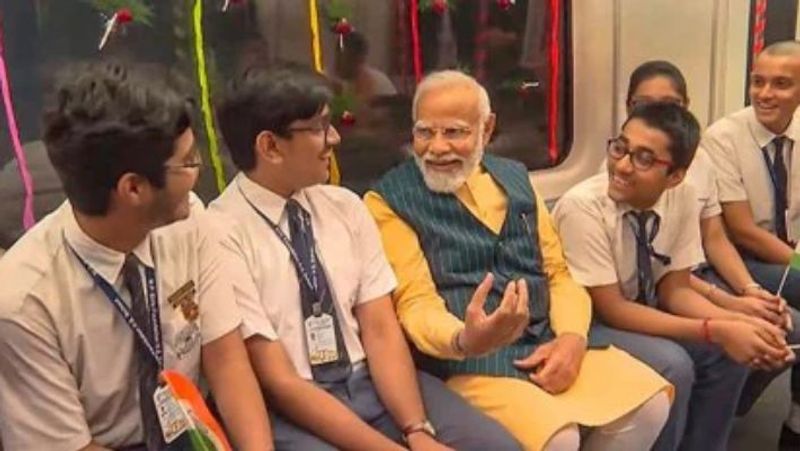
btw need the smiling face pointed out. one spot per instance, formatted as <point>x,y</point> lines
<point>775,90</point>
<point>449,136</point>
<point>635,187</point>
<point>171,202</point>
<point>305,154</point>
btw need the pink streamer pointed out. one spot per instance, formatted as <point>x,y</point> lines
<point>22,163</point>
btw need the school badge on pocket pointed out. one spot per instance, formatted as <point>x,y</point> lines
<point>185,419</point>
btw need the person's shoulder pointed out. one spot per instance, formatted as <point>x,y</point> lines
<point>228,198</point>
<point>336,195</point>
<point>337,204</point>
<point>33,260</point>
<point>681,200</point>
<point>730,124</point>
<point>591,190</point>
<point>589,196</point>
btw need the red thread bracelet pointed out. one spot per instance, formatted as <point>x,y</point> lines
<point>706,330</point>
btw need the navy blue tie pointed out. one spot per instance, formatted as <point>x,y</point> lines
<point>302,237</point>
<point>148,368</point>
<point>639,221</point>
<point>777,171</point>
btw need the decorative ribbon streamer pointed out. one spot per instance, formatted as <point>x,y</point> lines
<point>22,163</point>
<point>480,41</point>
<point>401,43</point>
<point>555,65</point>
<point>205,96</point>
<point>316,45</point>
<point>759,25</point>
<point>413,14</point>
<point>316,49</point>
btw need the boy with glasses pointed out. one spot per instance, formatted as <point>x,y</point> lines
<point>631,237</point>
<point>120,282</point>
<point>314,286</point>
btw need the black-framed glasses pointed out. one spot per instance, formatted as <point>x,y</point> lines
<point>642,159</point>
<point>323,127</point>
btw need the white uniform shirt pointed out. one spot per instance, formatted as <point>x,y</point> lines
<point>703,178</point>
<point>600,245</point>
<point>267,289</point>
<point>68,371</point>
<point>734,144</point>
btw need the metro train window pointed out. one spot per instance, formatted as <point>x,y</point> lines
<point>519,49</point>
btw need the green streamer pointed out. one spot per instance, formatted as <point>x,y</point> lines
<point>205,96</point>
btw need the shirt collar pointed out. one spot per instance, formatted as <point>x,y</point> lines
<point>106,261</point>
<point>270,204</point>
<point>659,207</point>
<point>763,136</point>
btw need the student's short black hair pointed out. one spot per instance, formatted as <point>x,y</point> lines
<point>356,45</point>
<point>677,123</point>
<point>657,68</point>
<point>108,119</point>
<point>267,99</point>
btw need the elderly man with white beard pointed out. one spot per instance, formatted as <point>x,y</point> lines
<point>485,295</point>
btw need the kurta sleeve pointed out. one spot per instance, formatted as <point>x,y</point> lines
<point>422,312</point>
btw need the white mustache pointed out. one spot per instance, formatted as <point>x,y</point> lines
<point>443,158</point>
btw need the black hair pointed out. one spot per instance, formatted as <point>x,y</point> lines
<point>677,123</point>
<point>267,99</point>
<point>658,68</point>
<point>356,44</point>
<point>108,119</point>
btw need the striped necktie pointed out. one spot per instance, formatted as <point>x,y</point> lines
<point>302,238</point>
<point>639,221</point>
<point>777,171</point>
<point>148,368</point>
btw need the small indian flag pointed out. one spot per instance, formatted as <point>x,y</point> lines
<point>187,422</point>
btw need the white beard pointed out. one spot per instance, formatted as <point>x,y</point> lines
<point>445,182</point>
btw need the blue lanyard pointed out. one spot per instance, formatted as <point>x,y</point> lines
<point>309,276</point>
<point>155,349</point>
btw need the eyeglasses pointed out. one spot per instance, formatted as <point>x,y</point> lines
<point>323,127</point>
<point>425,134</point>
<point>642,159</point>
<point>195,163</point>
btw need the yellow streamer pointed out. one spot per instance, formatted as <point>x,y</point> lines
<point>316,45</point>
<point>316,48</point>
<point>205,96</point>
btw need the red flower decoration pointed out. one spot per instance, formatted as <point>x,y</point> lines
<point>439,6</point>
<point>505,5</point>
<point>124,15</point>
<point>348,119</point>
<point>343,27</point>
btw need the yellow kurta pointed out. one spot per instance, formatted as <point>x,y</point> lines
<point>611,383</point>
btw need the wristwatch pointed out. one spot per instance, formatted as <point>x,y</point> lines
<point>423,426</point>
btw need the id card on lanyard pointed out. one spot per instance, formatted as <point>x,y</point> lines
<point>155,348</point>
<point>320,326</point>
